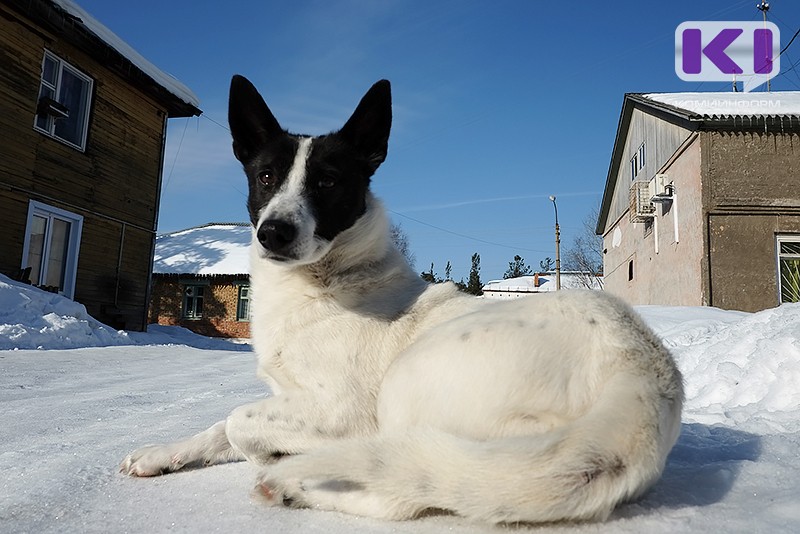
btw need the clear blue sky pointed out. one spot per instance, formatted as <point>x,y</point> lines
<point>497,104</point>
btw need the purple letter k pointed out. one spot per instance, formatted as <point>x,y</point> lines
<point>714,51</point>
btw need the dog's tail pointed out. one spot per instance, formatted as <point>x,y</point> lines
<point>580,471</point>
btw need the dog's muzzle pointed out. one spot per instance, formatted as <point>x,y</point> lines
<point>277,237</point>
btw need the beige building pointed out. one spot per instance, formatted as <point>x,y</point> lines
<point>702,200</point>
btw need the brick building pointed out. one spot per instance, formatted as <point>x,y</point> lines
<point>201,280</point>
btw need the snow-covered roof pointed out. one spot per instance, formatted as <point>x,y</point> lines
<point>167,81</point>
<point>211,249</point>
<point>729,104</point>
<point>546,283</point>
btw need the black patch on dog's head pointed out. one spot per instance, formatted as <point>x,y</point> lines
<point>340,164</point>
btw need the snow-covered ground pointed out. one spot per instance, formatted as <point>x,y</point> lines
<point>77,396</point>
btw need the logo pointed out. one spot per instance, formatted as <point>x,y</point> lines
<point>727,51</point>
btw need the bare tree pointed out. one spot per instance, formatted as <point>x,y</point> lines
<point>585,255</point>
<point>400,240</point>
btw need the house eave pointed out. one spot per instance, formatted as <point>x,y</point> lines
<point>54,19</point>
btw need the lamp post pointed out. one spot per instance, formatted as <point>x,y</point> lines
<point>558,246</point>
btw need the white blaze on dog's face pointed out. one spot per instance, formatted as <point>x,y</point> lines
<point>304,191</point>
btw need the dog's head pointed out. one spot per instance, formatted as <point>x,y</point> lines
<point>304,191</point>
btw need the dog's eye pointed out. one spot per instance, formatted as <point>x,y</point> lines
<point>266,178</point>
<point>326,183</point>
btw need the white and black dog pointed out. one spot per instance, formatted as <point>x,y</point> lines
<point>390,396</point>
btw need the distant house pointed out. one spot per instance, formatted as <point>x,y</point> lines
<point>83,120</point>
<point>540,283</point>
<point>702,200</point>
<point>201,280</point>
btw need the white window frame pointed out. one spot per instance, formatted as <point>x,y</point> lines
<point>641,155</point>
<point>50,129</point>
<point>73,243</point>
<point>786,238</point>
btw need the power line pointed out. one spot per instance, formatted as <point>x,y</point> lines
<point>175,159</point>
<point>467,236</point>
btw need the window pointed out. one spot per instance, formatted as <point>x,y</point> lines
<point>64,100</point>
<point>243,307</point>
<point>641,157</point>
<point>193,296</point>
<point>630,271</point>
<point>50,249</point>
<point>789,268</point>
<point>637,162</point>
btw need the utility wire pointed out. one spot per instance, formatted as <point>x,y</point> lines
<point>466,236</point>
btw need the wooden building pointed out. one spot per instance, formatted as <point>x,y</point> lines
<point>83,119</point>
<point>702,200</point>
<point>201,280</point>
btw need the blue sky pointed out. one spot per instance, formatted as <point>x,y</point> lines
<point>497,105</point>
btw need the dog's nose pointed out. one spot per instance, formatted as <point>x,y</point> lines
<point>276,235</point>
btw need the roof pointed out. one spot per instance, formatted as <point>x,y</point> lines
<point>66,18</point>
<point>778,111</point>
<point>547,283</point>
<point>716,106</point>
<point>211,249</point>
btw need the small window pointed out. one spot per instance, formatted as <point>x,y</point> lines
<point>51,246</point>
<point>630,271</point>
<point>641,157</point>
<point>637,162</point>
<point>789,268</point>
<point>193,296</point>
<point>65,96</point>
<point>243,307</point>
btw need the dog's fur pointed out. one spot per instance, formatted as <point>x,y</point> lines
<point>391,396</point>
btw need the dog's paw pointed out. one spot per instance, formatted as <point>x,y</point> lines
<point>152,460</point>
<point>275,492</point>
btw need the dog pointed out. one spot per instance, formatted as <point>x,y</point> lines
<point>392,397</point>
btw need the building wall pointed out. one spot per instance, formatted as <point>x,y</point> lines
<point>664,270</point>
<point>221,301</point>
<point>661,140</point>
<point>753,195</point>
<point>114,184</point>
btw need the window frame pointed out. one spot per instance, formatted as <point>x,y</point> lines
<point>186,312</point>
<point>40,209</point>
<point>240,300</point>
<point>780,256</point>
<point>55,88</point>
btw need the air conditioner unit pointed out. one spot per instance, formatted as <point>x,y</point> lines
<point>48,106</point>
<point>641,205</point>
<point>661,187</point>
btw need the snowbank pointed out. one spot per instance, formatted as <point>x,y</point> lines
<point>31,318</point>
<point>740,369</point>
<point>34,319</point>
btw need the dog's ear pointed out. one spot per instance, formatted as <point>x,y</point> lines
<point>368,128</point>
<point>252,123</point>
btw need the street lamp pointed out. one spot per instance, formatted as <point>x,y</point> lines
<point>558,246</point>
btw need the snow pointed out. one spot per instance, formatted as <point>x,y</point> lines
<point>74,408</point>
<point>215,248</point>
<point>780,103</point>
<point>167,81</point>
<point>521,285</point>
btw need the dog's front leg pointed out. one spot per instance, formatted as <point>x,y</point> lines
<point>206,448</point>
<point>290,423</point>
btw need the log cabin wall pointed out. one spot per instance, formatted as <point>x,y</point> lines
<point>114,183</point>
